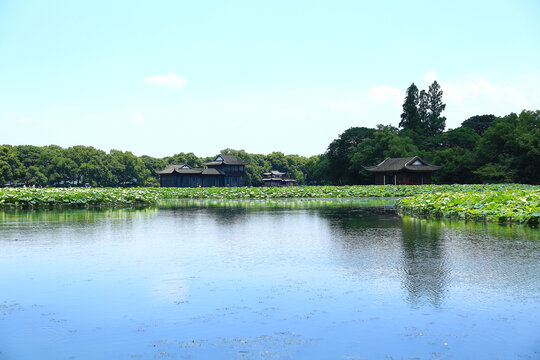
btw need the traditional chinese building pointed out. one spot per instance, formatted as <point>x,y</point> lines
<point>403,171</point>
<point>275,178</point>
<point>225,170</point>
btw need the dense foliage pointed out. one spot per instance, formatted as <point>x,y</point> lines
<point>504,150</point>
<point>81,165</point>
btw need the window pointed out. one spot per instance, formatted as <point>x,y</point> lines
<point>185,167</point>
<point>417,162</point>
<point>219,158</point>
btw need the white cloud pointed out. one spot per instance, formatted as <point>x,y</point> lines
<point>385,95</point>
<point>344,105</point>
<point>169,80</point>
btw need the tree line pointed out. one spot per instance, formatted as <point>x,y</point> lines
<point>28,165</point>
<point>483,149</point>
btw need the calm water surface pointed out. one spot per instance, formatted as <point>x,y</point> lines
<point>245,282</point>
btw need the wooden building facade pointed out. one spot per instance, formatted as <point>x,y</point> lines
<point>233,170</point>
<point>403,171</point>
<point>225,170</point>
<point>275,178</point>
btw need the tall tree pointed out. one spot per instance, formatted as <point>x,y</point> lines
<point>434,122</point>
<point>410,118</point>
<point>423,111</point>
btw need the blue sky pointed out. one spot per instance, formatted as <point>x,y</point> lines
<point>164,77</point>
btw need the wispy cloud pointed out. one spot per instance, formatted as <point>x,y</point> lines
<point>169,80</point>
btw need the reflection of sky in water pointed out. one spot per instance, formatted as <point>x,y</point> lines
<point>228,282</point>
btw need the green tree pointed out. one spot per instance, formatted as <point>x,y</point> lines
<point>479,123</point>
<point>315,170</point>
<point>463,137</point>
<point>410,118</point>
<point>10,166</point>
<point>434,122</point>
<point>340,153</point>
<point>510,148</point>
<point>35,177</point>
<point>458,166</point>
<point>127,169</point>
<point>386,143</point>
<point>83,156</point>
<point>184,158</point>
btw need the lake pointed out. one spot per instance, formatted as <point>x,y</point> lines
<point>249,280</point>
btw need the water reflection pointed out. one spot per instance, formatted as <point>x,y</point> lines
<point>522,232</point>
<point>305,203</point>
<point>424,270</point>
<point>73,215</point>
<point>226,211</point>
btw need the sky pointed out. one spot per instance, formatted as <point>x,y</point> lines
<point>163,77</point>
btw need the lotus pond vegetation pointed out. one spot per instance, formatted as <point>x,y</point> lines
<point>494,203</point>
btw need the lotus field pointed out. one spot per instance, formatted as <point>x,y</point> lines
<point>505,206</point>
<point>500,203</point>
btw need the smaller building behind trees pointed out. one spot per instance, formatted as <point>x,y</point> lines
<point>275,178</point>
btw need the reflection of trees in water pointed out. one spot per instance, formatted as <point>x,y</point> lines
<point>347,221</point>
<point>219,216</point>
<point>57,225</point>
<point>424,270</point>
<point>364,241</point>
<point>344,212</point>
<point>227,216</point>
<point>73,215</point>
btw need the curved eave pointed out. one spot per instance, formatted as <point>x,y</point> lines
<point>216,163</point>
<point>423,168</point>
<point>406,169</point>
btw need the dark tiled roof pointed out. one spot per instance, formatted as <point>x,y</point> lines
<point>404,163</point>
<point>178,169</point>
<point>227,160</point>
<point>212,172</point>
<point>190,171</point>
<point>169,169</point>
